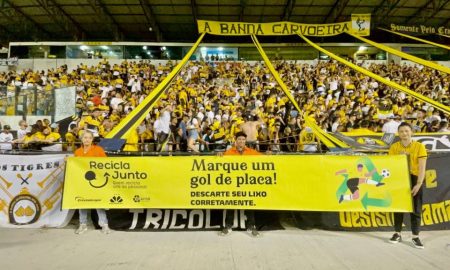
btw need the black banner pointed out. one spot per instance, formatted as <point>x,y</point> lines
<point>435,212</point>
<point>435,208</point>
<point>191,219</point>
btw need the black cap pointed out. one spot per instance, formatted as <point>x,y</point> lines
<point>240,134</point>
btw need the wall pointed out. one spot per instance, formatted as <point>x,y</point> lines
<point>45,64</point>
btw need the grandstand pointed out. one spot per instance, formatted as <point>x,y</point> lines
<point>165,86</point>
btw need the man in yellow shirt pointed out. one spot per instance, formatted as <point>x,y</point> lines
<point>417,158</point>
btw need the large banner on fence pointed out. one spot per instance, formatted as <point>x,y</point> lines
<point>360,25</point>
<point>315,182</point>
<point>436,212</point>
<point>31,190</point>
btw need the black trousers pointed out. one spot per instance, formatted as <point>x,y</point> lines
<point>229,218</point>
<point>415,215</point>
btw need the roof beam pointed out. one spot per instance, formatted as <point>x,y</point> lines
<point>336,11</point>
<point>243,4</point>
<point>288,10</point>
<point>385,8</point>
<point>7,3</point>
<point>6,30</point>
<point>418,12</point>
<point>6,34</point>
<point>62,19</point>
<point>151,19</point>
<point>194,9</point>
<point>99,7</point>
<point>437,8</point>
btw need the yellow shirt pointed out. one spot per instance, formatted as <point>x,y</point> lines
<point>39,136</point>
<point>89,120</point>
<point>71,139</point>
<point>414,150</point>
<point>306,138</point>
<point>132,142</point>
<point>53,135</point>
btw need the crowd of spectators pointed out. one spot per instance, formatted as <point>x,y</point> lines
<point>208,102</point>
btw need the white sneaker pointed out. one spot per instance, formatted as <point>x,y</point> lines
<point>105,229</point>
<point>82,229</point>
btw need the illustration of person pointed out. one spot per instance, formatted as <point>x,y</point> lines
<point>360,24</point>
<point>354,182</point>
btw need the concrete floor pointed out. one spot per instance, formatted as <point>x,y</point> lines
<point>288,249</point>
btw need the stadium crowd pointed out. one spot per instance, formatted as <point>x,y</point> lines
<point>208,102</point>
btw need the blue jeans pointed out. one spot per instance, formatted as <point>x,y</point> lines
<point>102,219</point>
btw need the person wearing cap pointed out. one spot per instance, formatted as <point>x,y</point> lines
<point>391,126</point>
<point>71,137</point>
<point>75,121</point>
<point>240,149</point>
<point>92,122</point>
<point>6,138</point>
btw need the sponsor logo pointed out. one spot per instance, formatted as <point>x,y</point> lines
<point>90,176</point>
<point>116,199</point>
<point>24,209</point>
<point>81,199</point>
<point>138,199</point>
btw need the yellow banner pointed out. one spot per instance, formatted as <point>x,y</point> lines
<point>403,55</point>
<point>349,183</point>
<point>135,118</point>
<point>437,105</point>
<point>360,26</point>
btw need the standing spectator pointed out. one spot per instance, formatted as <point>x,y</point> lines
<point>164,127</point>
<point>391,126</point>
<point>88,149</point>
<point>417,157</point>
<point>6,138</point>
<point>240,149</point>
<point>23,129</point>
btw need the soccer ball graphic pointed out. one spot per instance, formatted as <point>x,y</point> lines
<point>385,173</point>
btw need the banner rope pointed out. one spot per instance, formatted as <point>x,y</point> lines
<point>402,54</point>
<point>329,141</point>
<point>134,119</point>
<point>418,96</point>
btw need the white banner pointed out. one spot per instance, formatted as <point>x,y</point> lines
<point>31,191</point>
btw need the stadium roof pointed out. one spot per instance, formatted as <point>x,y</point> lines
<point>175,20</point>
